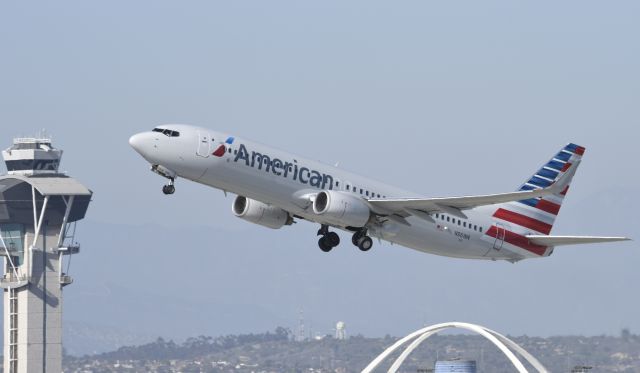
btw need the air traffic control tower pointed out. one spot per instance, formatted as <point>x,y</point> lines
<point>38,210</point>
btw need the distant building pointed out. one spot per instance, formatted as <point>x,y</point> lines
<point>457,366</point>
<point>301,335</point>
<point>504,344</point>
<point>341,330</point>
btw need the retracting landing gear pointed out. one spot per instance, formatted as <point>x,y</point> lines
<point>329,240</point>
<point>361,240</point>
<point>166,173</point>
<point>169,188</point>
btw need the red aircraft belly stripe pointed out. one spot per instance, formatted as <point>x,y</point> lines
<point>547,206</point>
<point>522,220</point>
<point>518,240</point>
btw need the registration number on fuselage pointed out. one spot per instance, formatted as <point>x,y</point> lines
<point>462,235</point>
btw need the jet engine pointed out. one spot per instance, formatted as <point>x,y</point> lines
<point>260,213</point>
<point>341,209</point>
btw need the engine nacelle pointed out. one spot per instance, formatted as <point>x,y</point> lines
<point>260,213</point>
<point>341,209</point>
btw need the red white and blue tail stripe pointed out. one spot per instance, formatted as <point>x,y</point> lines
<point>535,216</point>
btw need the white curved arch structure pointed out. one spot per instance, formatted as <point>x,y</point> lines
<point>503,343</point>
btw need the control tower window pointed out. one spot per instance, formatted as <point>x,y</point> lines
<point>12,235</point>
<point>26,146</point>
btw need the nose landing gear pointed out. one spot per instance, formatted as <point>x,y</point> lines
<point>169,188</point>
<point>166,173</point>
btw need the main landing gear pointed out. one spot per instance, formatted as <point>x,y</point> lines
<point>329,240</point>
<point>169,188</point>
<point>361,240</point>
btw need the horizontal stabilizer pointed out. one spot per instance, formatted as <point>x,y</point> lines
<point>571,240</point>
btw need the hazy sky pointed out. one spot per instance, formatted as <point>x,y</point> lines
<point>443,98</point>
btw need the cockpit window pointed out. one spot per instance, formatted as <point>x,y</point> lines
<point>167,132</point>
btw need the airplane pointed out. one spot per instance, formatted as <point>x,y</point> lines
<point>275,188</point>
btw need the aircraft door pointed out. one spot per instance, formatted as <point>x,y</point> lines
<point>500,233</point>
<point>204,144</point>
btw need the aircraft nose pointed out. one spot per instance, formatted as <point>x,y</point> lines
<point>137,142</point>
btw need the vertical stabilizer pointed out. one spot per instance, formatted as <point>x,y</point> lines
<point>537,215</point>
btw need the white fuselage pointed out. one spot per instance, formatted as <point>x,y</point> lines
<point>290,182</point>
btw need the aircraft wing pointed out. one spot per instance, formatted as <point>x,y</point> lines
<point>421,207</point>
<point>571,240</point>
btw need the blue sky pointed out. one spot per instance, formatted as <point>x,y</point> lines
<point>442,98</point>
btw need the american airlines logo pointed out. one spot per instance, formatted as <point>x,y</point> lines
<point>287,169</point>
<point>222,149</point>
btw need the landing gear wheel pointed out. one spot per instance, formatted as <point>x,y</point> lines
<point>329,240</point>
<point>168,189</point>
<point>333,239</point>
<point>324,244</point>
<point>365,243</point>
<point>356,236</point>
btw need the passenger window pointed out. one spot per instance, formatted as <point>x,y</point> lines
<point>459,222</point>
<point>480,229</point>
<point>361,191</point>
<point>447,218</point>
<point>464,224</point>
<point>437,216</point>
<point>367,193</point>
